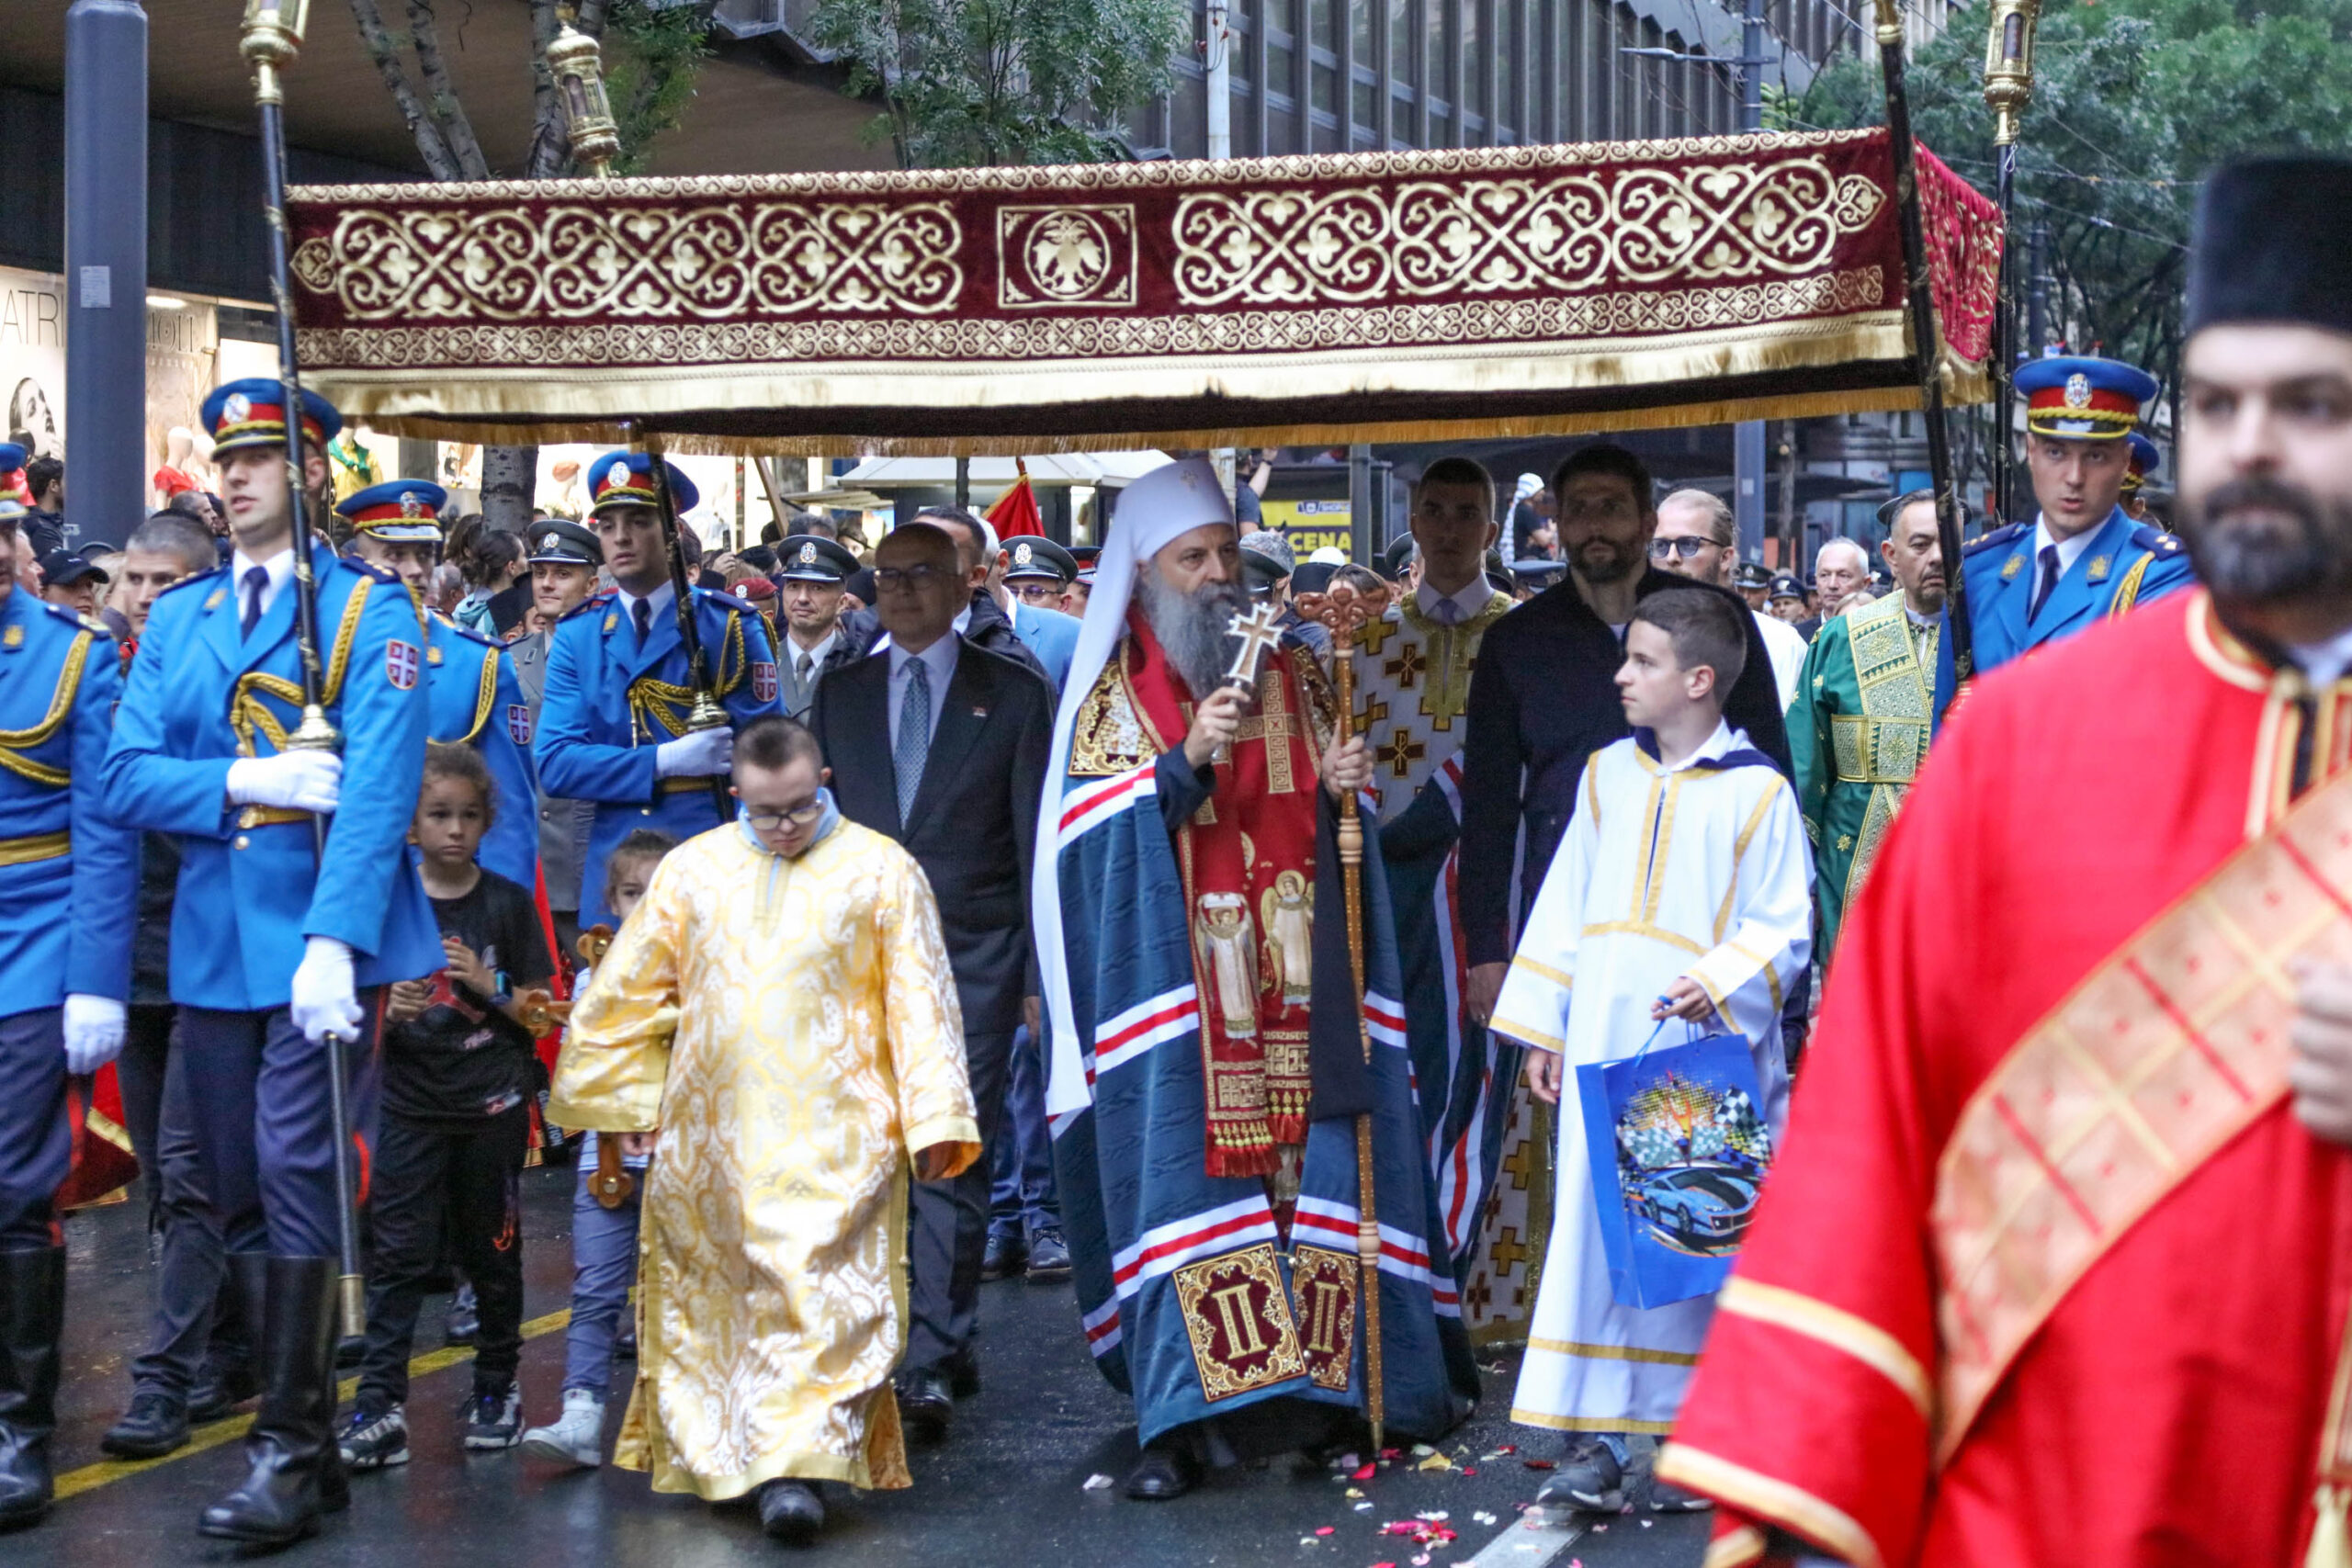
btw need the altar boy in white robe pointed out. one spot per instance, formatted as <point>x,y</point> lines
<point>1680,891</point>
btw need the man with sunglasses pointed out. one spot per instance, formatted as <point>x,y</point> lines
<point>1695,540</point>
<point>939,745</point>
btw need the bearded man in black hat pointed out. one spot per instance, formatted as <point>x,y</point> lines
<point>2054,1260</point>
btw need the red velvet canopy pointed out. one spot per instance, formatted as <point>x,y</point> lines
<point>1493,291</point>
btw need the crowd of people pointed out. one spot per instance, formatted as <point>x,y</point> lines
<point>869,920</point>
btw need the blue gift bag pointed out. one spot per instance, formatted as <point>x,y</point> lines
<point>1678,1148</point>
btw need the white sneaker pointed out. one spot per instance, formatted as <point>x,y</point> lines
<point>578,1437</point>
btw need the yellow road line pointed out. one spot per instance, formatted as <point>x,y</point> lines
<point>106,1473</point>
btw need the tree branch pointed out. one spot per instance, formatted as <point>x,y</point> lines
<point>441,94</point>
<point>439,162</point>
<point>551,140</point>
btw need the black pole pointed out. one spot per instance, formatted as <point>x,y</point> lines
<point>269,42</point>
<point>1924,349</point>
<point>2005,344</point>
<point>106,263</point>
<point>705,714</point>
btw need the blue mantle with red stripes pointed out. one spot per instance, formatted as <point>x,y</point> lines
<point>1201,1295</point>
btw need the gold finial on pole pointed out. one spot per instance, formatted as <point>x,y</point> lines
<point>2008,65</point>
<point>272,38</point>
<point>578,66</point>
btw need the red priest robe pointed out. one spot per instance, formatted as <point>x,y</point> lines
<point>2168,1408</point>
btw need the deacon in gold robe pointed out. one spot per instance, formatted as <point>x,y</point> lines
<point>780,1007</point>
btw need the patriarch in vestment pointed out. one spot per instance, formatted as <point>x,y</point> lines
<point>780,1007</point>
<point>1203,1100</point>
<point>2055,1265</point>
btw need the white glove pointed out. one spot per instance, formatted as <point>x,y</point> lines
<point>93,1033</point>
<point>698,755</point>
<point>297,781</point>
<point>325,1000</point>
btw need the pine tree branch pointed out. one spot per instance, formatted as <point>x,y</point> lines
<point>441,94</point>
<point>439,162</point>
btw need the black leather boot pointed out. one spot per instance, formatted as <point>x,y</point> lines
<point>32,1309</point>
<point>295,1475</point>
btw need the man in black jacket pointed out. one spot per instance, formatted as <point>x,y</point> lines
<point>944,746</point>
<point>979,621</point>
<point>1543,699</point>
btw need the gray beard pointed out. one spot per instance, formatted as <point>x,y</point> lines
<point>1191,627</point>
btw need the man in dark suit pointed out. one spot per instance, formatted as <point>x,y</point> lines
<point>1543,698</point>
<point>943,746</point>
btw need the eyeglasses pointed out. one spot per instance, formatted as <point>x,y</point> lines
<point>800,816</point>
<point>1037,592</point>
<point>1687,546</point>
<point>922,576</point>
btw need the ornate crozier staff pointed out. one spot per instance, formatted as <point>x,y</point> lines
<point>1345,609</point>
<point>576,61</point>
<point>2009,87</point>
<point>272,38</point>
<point>1927,349</point>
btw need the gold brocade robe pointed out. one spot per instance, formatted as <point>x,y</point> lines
<point>818,1046</point>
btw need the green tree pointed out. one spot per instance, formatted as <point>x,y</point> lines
<point>969,83</point>
<point>2133,101</point>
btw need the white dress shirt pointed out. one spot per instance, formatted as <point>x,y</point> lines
<point>807,659</point>
<point>281,567</point>
<point>940,659</point>
<point>1471,599</point>
<point>657,605</point>
<point>2323,663</point>
<point>2070,550</point>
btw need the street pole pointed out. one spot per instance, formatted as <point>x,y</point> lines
<point>1747,436</point>
<point>105,269</point>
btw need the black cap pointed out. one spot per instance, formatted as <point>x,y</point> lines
<point>1538,572</point>
<point>2267,244</point>
<point>62,568</point>
<point>1085,555</point>
<point>811,558</point>
<point>1786,587</point>
<point>861,583</point>
<point>559,543</point>
<point>1028,557</point>
<point>760,557</point>
<point>1312,577</point>
<point>1751,574</point>
<point>1396,557</point>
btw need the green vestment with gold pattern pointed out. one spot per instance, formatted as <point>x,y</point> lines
<point>1858,733</point>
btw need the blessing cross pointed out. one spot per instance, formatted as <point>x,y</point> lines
<point>1258,633</point>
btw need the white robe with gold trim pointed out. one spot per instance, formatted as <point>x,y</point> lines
<point>818,1046</point>
<point>1698,870</point>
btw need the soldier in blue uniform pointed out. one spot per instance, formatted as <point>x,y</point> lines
<point>68,880</point>
<point>475,698</point>
<point>2082,558</point>
<point>612,722</point>
<point>274,947</point>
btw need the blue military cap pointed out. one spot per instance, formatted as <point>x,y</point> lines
<point>806,558</point>
<point>2145,461</point>
<point>252,412</point>
<point>559,542</point>
<point>626,479</point>
<point>1031,556</point>
<point>398,511</point>
<point>12,510</point>
<point>2083,398</point>
<point>13,456</point>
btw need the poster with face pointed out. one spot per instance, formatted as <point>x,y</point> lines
<point>32,361</point>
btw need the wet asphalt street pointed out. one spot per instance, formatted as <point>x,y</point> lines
<point>1006,1490</point>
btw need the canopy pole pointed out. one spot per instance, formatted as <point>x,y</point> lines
<point>1926,347</point>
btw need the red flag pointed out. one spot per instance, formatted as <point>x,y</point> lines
<point>1015,511</point>
<point>103,1164</point>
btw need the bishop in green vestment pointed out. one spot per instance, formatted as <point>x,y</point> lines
<point>1865,710</point>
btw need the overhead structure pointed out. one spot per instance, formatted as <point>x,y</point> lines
<point>1331,299</point>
